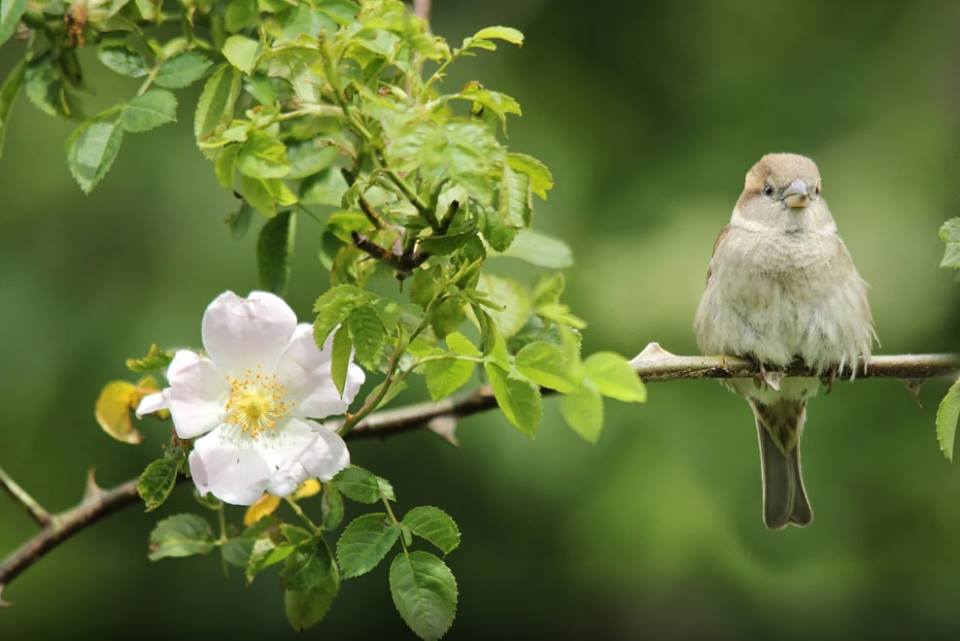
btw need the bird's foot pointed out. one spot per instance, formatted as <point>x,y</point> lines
<point>829,377</point>
<point>766,378</point>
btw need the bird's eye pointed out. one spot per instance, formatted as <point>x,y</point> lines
<point>768,191</point>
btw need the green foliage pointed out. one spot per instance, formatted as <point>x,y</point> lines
<point>10,13</point>
<point>311,581</point>
<point>424,592</point>
<point>950,235</point>
<point>362,486</point>
<point>156,359</point>
<point>157,480</point>
<point>274,251</point>
<point>365,542</point>
<point>948,413</point>
<point>434,525</point>
<point>154,108</point>
<point>92,148</point>
<point>517,397</point>
<point>9,91</point>
<point>180,535</point>
<point>613,377</point>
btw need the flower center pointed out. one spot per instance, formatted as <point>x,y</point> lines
<point>256,402</point>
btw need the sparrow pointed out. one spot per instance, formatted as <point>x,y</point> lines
<point>782,286</point>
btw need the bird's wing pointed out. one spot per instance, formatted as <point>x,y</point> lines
<point>720,238</point>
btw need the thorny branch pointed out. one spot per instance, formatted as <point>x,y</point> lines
<point>652,364</point>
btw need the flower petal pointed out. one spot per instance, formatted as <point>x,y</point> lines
<point>197,394</point>
<point>154,403</point>
<point>300,450</point>
<point>244,333</point>
<point>228,464</point>
<point>304,371</point>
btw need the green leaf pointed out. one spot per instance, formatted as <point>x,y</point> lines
<point>546,365</point>
<point>8,95</point>
<point>264,554</point>
<point>263,156</point>
<point>517,397</point>
<point>340,358</point>
<point>306,158</point>
<point>10,13</point>
<point>92,148</point>
<point>365,542</point>
<point>514,299</point>
<point>182,70</point>
<point>367,335</point>
<point>332,506</point>
<point>155,359</point>
<point>333,307</point>
<point>424,592</point>
<point>274,251</point>
<point>215,107</point>
<point>483,38</point>
<point>446,376</point>
<point>155,108</point>
<point>117,56</point>
<point>180,535</point>
<point>541,180</point>
<point>157,481</point>
<point>46,87</point>
<point>362,486</point>
<point>950,234</point>
<point>614,377</point>
<point>239,221</point>
<point>324,188</point>
<point>540,250</point>
<point>240,14</point>
<point>583,411</point>
<point>434,525</point>
<point>257,194</point>
<point>242,53</point>
<point>311,581</point>
<point>947,414</point>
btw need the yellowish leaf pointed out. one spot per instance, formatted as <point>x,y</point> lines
<point>307,488</point>
<point>113,411</point>
<point>264,507</point>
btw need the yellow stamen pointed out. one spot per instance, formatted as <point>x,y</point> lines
<point>256,402</point>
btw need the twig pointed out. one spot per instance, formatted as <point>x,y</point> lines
<point>34,509</point>
<point>652,365</point>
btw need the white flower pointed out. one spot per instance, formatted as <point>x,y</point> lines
<point>250,399</point>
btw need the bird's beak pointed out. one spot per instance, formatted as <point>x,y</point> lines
<point>796,195</point>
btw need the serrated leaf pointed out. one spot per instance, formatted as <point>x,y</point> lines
<point>45,86</point>
<point>340,358</point>
<point>948,412</point>
<point>10,13</point>
<point>311,577</point>
<point>155,108</point>
<point>182,70</point>
<point>541,180</point>
<point>180,535</point>
<point>482,38</point>
<point>324,188</point>
<point>306,158</point>
<point>583,411</point>
<point>424,592</point>
<point>363,486</point>
<point>157,481</point>
<point>950,234</point>
<point>275,250</point>
<point>517,397</point>
<point>265,554</point>
<point>8,95</point>
<point>155,359</point>
<point>118,57</point>
<point>367,335</point>
<point>332,506</point>
<point>263,156</point>
<point>614,377</point>
<point>239,221</point>
<point>333,307</point>
<point>434,525</point>
<point>546,365</point>
<point>513,297</point>
<point>364,543</point>
<point>446,376</point>
<point>92,148</point>
<point>540,250</point>
<point>242,52</point>
<point>215,107</point>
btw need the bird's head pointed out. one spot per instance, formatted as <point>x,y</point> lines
<point>782,193</point>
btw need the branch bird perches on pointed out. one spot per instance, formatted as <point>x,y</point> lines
<point>653,364</point>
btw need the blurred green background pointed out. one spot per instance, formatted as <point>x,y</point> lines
<point>649,114</point>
